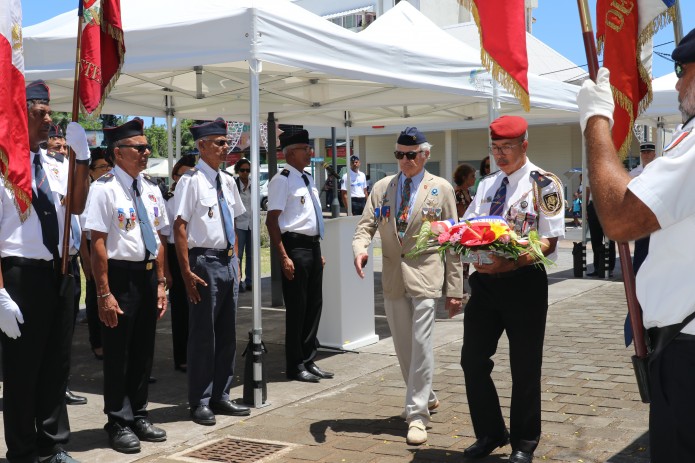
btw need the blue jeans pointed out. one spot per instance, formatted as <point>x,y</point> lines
<point>245,243</point>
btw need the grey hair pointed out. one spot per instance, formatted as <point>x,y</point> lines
<point>289,148</point>
<point>426,146</point>
<point>32,103</point>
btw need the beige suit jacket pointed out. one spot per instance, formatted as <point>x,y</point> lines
<point>425,276</point>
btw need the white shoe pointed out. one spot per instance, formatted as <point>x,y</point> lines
<point>417,433</point>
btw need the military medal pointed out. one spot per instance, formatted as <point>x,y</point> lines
<point>156,214</point>
<point>152,198</point>
<point>210,213</point>
<point>386,212</point>
<point>130,223</point>
<point>377,214</point>
<point>121,217</point>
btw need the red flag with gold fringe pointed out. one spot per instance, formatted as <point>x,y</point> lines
<point>102,51</point>
<point>502,26</point>
<point>14,133</point>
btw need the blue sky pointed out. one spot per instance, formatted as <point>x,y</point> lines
<point>557,24</point>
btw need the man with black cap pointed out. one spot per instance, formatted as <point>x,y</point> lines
<point>358,186</point>
<point>126,212</point>
<point>37,325</point>
<point>658,202</point>
<point>397,207</point>
<point>207,201</point>
<point>295,226</point>
<point>510,295</point>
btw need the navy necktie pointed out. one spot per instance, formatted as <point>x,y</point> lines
<point>497,206</point>
<point>404,209</point>
<point>226,215</point>
<point>43,205</point>
<point>145,227</point>
<point>317,206</point>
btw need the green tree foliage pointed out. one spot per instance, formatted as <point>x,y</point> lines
<point>157,137</point>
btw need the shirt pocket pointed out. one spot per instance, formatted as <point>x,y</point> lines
<point>208,209</point>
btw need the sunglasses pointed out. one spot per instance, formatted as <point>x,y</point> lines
<point>411,155</point>
<point>244,170</point>
<point>680,70</point>
<point>140,148</point>
<point>219,142</point>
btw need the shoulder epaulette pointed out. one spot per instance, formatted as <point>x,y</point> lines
<point>228,173</point>
<point>191,172</point>
<point>285,173</point>
<point>149,179</point>
<point>57,156</point>
<point>541,178</point>
<point>168,195</point>
<point>107,177</point>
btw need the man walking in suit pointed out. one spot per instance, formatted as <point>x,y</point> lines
<point>397,207</point>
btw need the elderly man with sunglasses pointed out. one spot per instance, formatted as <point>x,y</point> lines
<point>658,202</point>
<point>207,205</point>
<point>125,215</point>
<point>396,208</point>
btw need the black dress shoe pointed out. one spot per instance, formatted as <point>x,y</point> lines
<point>203,415</point>
<point>592,274</point>
<point>227,407</point>
<point>484,446</point>
<point>151,380</point>
<point>122,439</point>
<point>72,399</point>
<point>146,431</point>
<point>304,376</point>
<point>316,371</point>
<point>518,456</point>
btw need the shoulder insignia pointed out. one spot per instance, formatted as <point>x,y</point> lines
<point>228,173</point>
<point>676,141</point>
<point>551,202</point>
<point>57,156</point>
<point>540,179</point>
<point>149,179</point>
<point>168,195</point>
<point>106,178</point>
<point>191,172</point>
<point>285,173</point>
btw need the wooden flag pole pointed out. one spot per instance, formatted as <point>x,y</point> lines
<point>623,249</point>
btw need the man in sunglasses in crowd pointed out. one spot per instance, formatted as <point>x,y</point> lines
<point>658,202</point>
<point>397,207</point>
<point>510,295</point>
<point>126,212</point>
<point>207,205</point>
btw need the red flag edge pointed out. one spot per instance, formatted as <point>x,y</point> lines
<point>498,72</point>
<point>17,193</point>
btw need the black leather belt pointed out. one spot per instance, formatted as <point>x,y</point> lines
<point>301,237</point>
<point>213,252</point>
<point>520,271</point>
<point>146,265</point>
<point>24,262</point>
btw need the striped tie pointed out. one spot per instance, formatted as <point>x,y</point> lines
<point>497,206</point>
<point>404,209</point>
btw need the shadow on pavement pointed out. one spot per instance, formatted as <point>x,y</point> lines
<point>636,452</point>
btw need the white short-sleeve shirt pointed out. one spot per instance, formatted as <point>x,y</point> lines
<point>358,183</point>
<point>288,193</point>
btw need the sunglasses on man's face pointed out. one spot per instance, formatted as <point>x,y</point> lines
<point>411,155</point>
<point>219,143</point>
<point>244,170</point>
<point>680,70</point>
<point>139,148</point>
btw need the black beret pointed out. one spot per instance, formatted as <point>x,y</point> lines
<point>647,146</point>
<point>55,131</point>
<point>204,129</point>
<point>411,136</point>
<point>354,157</point>
<point>685,51</point>
<point>287,139</point>
<point>132,128</point>
<point>38,90</point>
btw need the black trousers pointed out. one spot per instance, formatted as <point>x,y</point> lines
<point>36,365</point>
<point>303,302</point>
<point>90,300</point>
<point>517,304</point>
<point>358,205</point>
<point>672,408</point>
<point>179,309</point>
<point>597,246</point>
<point>129,347</point>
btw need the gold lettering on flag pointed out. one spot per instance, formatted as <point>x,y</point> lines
<point>90,70</point>
<point>16,36</point>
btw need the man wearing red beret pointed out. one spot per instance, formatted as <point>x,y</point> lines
<point>511,296</point>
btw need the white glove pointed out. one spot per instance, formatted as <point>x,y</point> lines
<point>10,315</point>
<point>77,139</point>
<point>596,99</point>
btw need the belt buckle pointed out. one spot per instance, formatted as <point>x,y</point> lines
<point>148,266</point>
<point>230,252</point>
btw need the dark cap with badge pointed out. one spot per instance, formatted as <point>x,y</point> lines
<point>287,139</point>
<point>411,136</point>
<point>132,128</point>
<point>205,129</point>
<point>647,146</point>
<point>506,127</point>
<point>354,158</point>
<point>685,51</point>
<point>38,90</point>
<point>54,131</point>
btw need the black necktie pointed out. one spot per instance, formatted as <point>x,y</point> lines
<point>497,206</point>
<point>44,207</point>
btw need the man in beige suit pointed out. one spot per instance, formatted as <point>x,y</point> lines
<point>397,207</point>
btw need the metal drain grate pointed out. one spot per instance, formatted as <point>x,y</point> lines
<point>235,451</point>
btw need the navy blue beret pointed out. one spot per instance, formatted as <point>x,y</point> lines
<point>38,90</point>
<point>55,131</point>
<point>287,139</point>
<point>204,129</point>
<point>685,51</point>
<point>411,136</point>
<point>647,146</point>
<point>132,128</point>
<point>354,157</point>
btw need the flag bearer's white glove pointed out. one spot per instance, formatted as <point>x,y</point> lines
<point>596,99</point>
<point>77,139</point>
<point>10,315</point>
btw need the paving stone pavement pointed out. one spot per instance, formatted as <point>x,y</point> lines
<point>591,407</point>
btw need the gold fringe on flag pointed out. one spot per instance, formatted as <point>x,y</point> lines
<point>497,72</point>
<point>16,192</point>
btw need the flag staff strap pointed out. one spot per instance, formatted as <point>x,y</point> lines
<point>623,248</point>
<point>71,158</point>
<point>677,23</point>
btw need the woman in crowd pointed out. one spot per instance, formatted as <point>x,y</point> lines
<point>464,179</point>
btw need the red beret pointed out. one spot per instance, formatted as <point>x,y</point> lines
<point>505,127</point>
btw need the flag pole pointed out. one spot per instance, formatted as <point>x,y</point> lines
<point>71,158</point>
<point>623,248</point>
